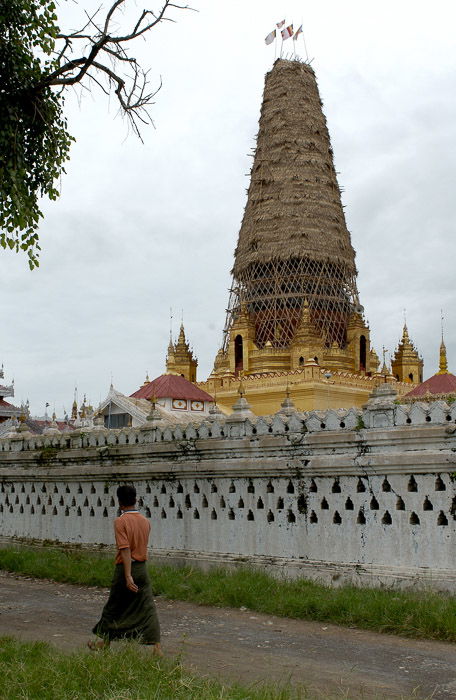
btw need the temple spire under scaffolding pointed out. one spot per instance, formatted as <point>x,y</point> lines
<point>293,243</point>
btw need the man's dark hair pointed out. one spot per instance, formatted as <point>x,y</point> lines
<point>126,495</point>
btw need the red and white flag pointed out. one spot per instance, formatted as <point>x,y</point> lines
<point>270,37</point>
<point>287,32</point>
<point>280,24</point>
<point>297,33</point>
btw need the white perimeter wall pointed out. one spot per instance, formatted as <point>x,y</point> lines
<point>363,505</point>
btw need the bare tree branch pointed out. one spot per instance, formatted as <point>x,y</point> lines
<point>130,82</point>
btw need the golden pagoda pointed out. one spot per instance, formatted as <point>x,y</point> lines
<point>443,363</point>
<point>294,316</point>
<point>407,365</point>
<point>180,358</point>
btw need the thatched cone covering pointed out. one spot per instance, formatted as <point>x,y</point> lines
<point>293,207</point>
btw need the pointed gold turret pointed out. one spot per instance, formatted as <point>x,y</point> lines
<point>443,364</point>
<point>407,365</point>
<point>180,358</point>
<point>307,341</point>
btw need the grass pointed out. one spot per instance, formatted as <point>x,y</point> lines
<point>419,615</point>
<point>36,671</point>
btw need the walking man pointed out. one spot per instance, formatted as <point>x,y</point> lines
<point>130,610</point>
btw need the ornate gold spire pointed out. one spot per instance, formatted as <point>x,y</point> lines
<point>443,364</point>
<point>406,364</point>
<point>181,340</point>
<point>405,335</point>
<point>306,332</point>
<point>180,358</point>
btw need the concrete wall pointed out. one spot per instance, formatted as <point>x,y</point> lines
<point>312,494</point>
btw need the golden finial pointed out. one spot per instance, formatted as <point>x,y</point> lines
<point>405,335</point>
<point>241,388</point>
<point>443,364</point>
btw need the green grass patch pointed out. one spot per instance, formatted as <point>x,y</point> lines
<point>67,566</point>
<point>37,671</point>
<point>420,615</point>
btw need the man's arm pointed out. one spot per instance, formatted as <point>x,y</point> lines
<point>125,554</point>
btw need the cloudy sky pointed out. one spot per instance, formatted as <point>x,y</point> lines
<point>140,228</point>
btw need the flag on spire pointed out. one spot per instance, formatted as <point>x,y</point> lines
<point>280,24</point>
<point>297,33</point>
<point>287,32</point>
<point>270,37</point>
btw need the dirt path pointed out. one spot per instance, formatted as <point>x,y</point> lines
<point>239,645</point>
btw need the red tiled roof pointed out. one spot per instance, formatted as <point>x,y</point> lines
<point>171,386</point>
<point>7,409</point>
<point>437,384</point>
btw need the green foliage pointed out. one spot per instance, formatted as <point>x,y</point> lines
<point>47,454</point>
<point>36,671</point>
<point>34,141</point>
<point>419,615</point>
<point>59,564</point>
<point>360,425</point>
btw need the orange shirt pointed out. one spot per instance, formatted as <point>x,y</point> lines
<point>132,530</point>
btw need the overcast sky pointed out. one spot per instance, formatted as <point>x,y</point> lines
<point>140,228</point>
